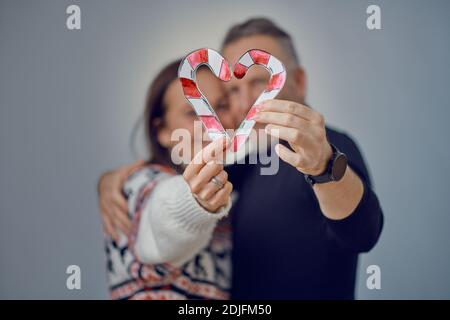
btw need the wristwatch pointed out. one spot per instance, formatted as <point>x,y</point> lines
<point>334,171</point>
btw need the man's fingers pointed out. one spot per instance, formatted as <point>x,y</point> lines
<point>123,172</point>
<point>121,227</point>
<point>138,163</point>
<point>120,201</point>
<point>108,226</point>
<point>212,151</point>
<point>114,218</point>
<point>295,137</point>
<point>282,119</point>
<point>105,210</point>
<point>121,220</point>
<point>113,205</point>
<point>133,166</point>
<point>289,156</point>
<point>290,107</point>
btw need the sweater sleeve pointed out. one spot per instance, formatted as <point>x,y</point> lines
<point>360,231</point>
<point>173,226</point>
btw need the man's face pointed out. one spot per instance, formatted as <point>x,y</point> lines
<point>244,92</point>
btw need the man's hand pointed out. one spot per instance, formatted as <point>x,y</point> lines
<point>112,203</point>
<point>206,178</point>
<point>304,130</point>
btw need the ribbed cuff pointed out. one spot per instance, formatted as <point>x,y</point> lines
<point>184,210</point>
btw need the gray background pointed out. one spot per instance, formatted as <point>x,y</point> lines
<point>69,100</point>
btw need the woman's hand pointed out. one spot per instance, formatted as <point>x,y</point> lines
<point>206,178</point>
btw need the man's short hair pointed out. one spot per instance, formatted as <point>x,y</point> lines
<point>262,26</point>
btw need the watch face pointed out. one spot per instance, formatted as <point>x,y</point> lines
<point>339,167</point>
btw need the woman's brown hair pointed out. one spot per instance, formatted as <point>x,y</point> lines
<point>155,111</point>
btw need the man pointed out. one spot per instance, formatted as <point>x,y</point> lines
<point>296,234</point>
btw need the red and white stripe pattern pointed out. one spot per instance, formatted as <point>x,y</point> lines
<point>219,66</point>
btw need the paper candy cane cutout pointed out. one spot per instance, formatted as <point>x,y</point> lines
<point>219,66</point>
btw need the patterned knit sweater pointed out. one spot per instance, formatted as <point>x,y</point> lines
<point>176,249</point>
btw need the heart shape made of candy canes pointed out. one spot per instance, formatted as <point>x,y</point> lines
<point>219,66</point>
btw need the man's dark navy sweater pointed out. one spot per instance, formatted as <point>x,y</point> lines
<point>284,247</point>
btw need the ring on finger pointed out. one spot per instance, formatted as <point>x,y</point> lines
<point>217,182</point>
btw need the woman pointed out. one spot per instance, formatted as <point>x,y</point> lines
<point>179,244</point>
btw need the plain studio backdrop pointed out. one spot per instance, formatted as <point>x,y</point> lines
<point>70,98</point>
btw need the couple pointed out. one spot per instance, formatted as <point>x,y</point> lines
<point>174,231</point>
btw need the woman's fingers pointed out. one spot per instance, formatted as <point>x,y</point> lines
<point>211,188</point>
<point>213,151</point>
<point>207,164</point>
<point>210,170</point>
<point>221,198</point>
<point>211,197</point>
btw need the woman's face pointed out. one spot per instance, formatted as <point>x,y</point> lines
<point>180,114</point>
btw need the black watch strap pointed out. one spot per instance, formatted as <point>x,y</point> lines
<point>334,171</point>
